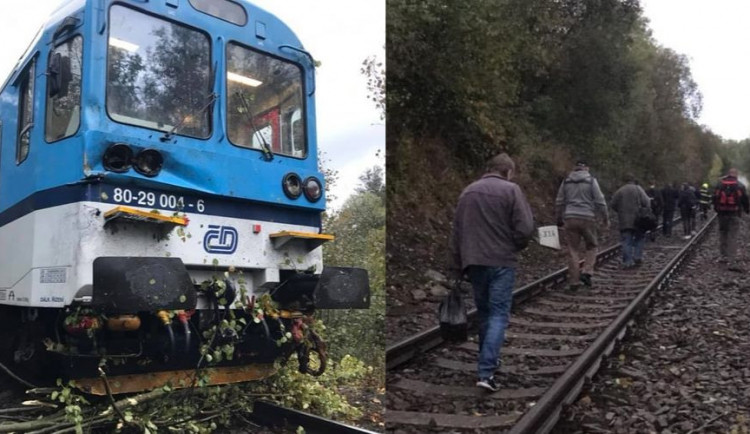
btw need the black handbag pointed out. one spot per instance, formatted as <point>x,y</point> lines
<point>645,220</point>
<point>452,316</point>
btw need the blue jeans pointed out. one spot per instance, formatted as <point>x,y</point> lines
<point>493,294</point>
<point>632,241</point>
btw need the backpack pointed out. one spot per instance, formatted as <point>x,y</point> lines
<point>728,196</point>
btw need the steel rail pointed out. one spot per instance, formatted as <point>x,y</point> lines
<point>406,349</point>
<point>401,352</point>
<point>270,414</point>
<point>543,416</point>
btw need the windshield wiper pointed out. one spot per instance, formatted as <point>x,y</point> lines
<point>267,152</point>
<point>212,97</point>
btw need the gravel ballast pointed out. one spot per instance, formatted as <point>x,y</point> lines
<point>684,368</point>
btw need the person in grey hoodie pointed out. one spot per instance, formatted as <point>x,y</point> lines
<point>626,201</point>
<point>579,201</point>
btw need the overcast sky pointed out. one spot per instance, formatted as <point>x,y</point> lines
<point>339,33</point>
<point>714,35</point>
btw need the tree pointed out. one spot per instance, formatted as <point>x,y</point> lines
<point>373,181</point>
<point>375,73</point>
<point>359,228</point>
<point>547,82</point>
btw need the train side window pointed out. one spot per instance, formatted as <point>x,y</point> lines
<point>63,112</point>
<point>293,133</point>
<point>25,112</point>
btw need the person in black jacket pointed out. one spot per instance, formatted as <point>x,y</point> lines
<point>669,197</point>
<point>686,203</point>
<point>657,205</point>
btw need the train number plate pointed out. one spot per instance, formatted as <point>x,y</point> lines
<point>152,199</point>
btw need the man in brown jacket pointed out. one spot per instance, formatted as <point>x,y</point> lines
<point>493,222</point>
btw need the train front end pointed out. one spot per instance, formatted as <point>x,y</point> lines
<point>181,242</point>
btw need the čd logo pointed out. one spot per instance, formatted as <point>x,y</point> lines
<point>220,239</point>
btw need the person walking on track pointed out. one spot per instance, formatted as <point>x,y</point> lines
<point>657,205</point>
<point>492,223</point>
<point>627,201</point>
<point>579,201</point>
<point>705,201</point>
<point>686,202</point>
<point>730,199</point>
<point>669,197</point>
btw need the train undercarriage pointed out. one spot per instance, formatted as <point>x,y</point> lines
<point>142,328</point>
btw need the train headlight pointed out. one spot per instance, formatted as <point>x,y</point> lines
<point>313,189</point>
<point>148,162</point>
<point>117,158</point>
<point>292,185</point>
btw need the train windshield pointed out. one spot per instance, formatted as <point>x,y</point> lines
<point>158,73</point>
<point>265,102</point>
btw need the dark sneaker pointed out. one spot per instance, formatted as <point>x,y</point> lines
<point>638,262</point>
<point>488,384</point>
<point>734,267</point>
<point>573,288</point>
<point>586,279</point>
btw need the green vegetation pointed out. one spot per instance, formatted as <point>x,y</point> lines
<point>546,81</point>
<point>540,79</point>
<point>321,395</point>
<point>359,228</point>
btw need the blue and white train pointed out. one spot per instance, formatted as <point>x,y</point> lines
<point>160,197</point>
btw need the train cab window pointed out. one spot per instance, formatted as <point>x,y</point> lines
<point>265,102</point>
<point>64,90</point>
<point>158,74</point>
<point>223,9</point>
<point>25,112</point>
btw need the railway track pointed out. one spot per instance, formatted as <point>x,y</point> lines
<point>556,339</point>
<point>272,415</point>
